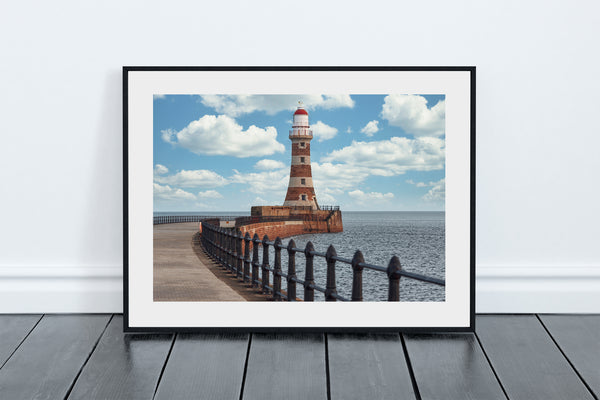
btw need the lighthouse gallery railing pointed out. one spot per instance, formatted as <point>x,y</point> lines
<point>232,250</point>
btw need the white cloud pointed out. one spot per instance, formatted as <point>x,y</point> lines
<point>330,177</point>
<point>160,169</point>
<point>332,191</point>
<point>259,201</point>
<point>269,164</point>
<point>370,198</point>
<point>437,193</point>
<point>235,105</point>
<point>169,136</point>
<point>210,194</point>
<point>371,128</point>
<point>422,184</point>
<point>391,157</point>
<point>169,193</point>
<point>326,199</point>
<point>193,178</point>
<point>349,130</point>
<point>221,135</point>
<point>322,131</point>
<point>410,112</point>
<point>275,181</point>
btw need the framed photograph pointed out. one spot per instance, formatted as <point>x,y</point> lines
<point>299,198</point>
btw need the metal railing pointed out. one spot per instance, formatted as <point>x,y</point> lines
<point>301,132</point>
<point>232,250</point>
<point>330,208</point>
<point>175,219</point>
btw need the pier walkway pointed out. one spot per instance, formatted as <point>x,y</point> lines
<point>179,274</point>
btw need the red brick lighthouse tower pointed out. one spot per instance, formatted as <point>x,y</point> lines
<point>300,189</point>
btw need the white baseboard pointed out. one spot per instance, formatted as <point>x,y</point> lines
<point>538,289</point>
<point>50,289</point>
<point>505,289</point>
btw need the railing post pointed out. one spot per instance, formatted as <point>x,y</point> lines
<point>246,272</point>
<point>309,276</point>
<point>230,250</point>
<point>205,238</point>
<point>221,256</point>
<point>233,244</point>
<point>265,264</point>
<point>357,270</point>
<point>330,289</point>
<point>277,267</point>
<point>240,255</point>
<point>222,247</point>
<point>393,272</point>
<point>291,283</point>
<point>255,241</point>
<point>216,240</point>
<point>213,237</point>
<point>226,248</point>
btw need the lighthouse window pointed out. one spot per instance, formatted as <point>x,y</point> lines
<point>302,144</point>
<point>303,181</point>
<point>303,197</point>
<point>302,160</point>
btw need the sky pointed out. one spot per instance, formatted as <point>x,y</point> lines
<point>230,152</point>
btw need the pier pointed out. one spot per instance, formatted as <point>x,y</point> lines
<point>182,275</point>
<point>215,263</point>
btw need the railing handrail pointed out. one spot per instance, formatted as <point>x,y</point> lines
<point>225,246</point>
<point>174,219</point>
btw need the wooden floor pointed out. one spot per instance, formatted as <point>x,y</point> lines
<point>510,356</point>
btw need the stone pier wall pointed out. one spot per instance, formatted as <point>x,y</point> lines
<point>312,221</point>
<point>282,229</point>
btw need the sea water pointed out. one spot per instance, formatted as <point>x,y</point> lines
<point>417,238</point>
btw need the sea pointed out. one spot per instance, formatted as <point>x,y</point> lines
<point>417,238</point>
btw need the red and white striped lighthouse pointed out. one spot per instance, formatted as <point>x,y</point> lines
<point>300,189</point>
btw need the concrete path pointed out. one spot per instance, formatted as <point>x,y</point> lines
<point>179,275</point>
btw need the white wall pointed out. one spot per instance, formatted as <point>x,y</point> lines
<point>538,97</point>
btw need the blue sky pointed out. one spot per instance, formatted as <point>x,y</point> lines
<point>230,152</point>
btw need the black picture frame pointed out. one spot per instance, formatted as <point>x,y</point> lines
<point>470,71</point>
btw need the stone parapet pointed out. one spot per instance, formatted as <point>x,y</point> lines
<point>301,220</point>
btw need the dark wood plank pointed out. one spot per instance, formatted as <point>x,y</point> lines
<point>368,366</point>
<point>526,360</point>
<point>123,366</point>
<point>48,361</point>
<point>451,366</point>
<point>286,366</point>
<point>579,338</point>
<point>205,367</point>
<point>13,329</point>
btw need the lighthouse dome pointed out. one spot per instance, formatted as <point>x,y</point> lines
<point>301,111</point>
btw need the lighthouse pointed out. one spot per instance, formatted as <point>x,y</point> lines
<point>300,212</point>
<point>300,188</point>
